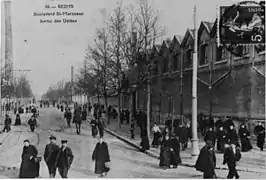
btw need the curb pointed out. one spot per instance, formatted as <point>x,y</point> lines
<point>155,155</point>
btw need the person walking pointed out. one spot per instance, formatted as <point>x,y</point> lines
<point>156,136</point>
<point>221,139</point>
<point>94,130</point>
<point>210,136</point>
<point>30,166</point>
<point>206,161</point>
<point>101,126</point>
<point>260,132</point>
<point>64,159</point>
<point>32,123</point>
<point>77,118</point>
<point>102,158</point>
<point>68,116</point>
<point>244,134</point>
<point>50,153</point>
<point>232,135</point>
<point>84,114</point>
<point>18,120</point>
<point>165,153</point>
<point>232,155</point>
<point>8,122</point>
<point>175,151</point>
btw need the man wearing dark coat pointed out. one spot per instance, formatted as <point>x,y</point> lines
<point>206,161</point>
<point>29,168</point>
<point>50,153</point>
<point>101,126</point>
<point>175,151</point>
<point>84,114</point>
<point>101,157</point>
<point>18,120</point>
<point>32,123</point>
<point>232,135</point>
<point>77,118</point>
<point>231,156</point>
<point>68,116</point>
<point>260,132</point>
<point>221,139</point>
<point>210,136</point>
<point>244,134</point>
<point>62,108</point>
<point>64,159</point>
<point>8,122</point>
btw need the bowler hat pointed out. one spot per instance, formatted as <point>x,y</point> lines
<point>52,138</point>
<point>26,140</point>
<point>64,141</point>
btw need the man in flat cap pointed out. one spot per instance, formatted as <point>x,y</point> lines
<point>64,159</point>
<point>50,153</point>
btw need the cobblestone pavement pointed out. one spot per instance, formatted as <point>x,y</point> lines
<point>126,161</point>
<point>253,160</point>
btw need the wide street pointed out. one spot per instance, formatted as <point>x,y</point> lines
<point>126,162</point>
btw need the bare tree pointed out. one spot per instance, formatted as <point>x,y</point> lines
<point>117,29</point>
<point>149,30</point>
<point>98,56</point>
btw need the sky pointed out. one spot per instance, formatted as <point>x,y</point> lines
<point>51,49</point>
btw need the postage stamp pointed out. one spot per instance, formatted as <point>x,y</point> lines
<point>242,24</point>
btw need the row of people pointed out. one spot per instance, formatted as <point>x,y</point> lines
<point>221,136</point>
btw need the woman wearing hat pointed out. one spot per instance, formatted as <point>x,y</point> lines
<point>101,157</point>
<point>244,134</point>
<point>206,161</point>
<point>29,167</point>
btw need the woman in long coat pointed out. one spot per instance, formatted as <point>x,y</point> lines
<point>175,151</point>
<point>244,134</point>
<point>101,157</point>
<point>165,154</point>
<point>18,121</point>
<point>221,139</point>
<point>94,130</point>
<point>206,161</point>
<point>29,168</point>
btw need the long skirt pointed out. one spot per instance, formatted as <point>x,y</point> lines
<point>245,145</point>
<point>220,146</point>
<point>165,157</point>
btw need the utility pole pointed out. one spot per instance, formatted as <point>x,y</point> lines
<point>195,143</point>
<point>181,87</point>
<point>72,83</point>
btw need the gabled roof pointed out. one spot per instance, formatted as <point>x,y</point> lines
<point>168,42</point>
<point>208,25</point>
<point>179,38</point>
<point>188,33</point>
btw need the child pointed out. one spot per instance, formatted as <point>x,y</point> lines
<point>232,154</point>
<point>156,136</point>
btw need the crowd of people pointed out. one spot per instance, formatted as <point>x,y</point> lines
<point>101,153</point>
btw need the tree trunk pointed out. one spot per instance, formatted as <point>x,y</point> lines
<point>119,109</point>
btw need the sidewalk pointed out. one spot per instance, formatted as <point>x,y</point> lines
<point>252,161</point>
<point>10,145</point>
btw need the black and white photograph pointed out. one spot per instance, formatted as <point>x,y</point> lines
<point>132,89</point>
